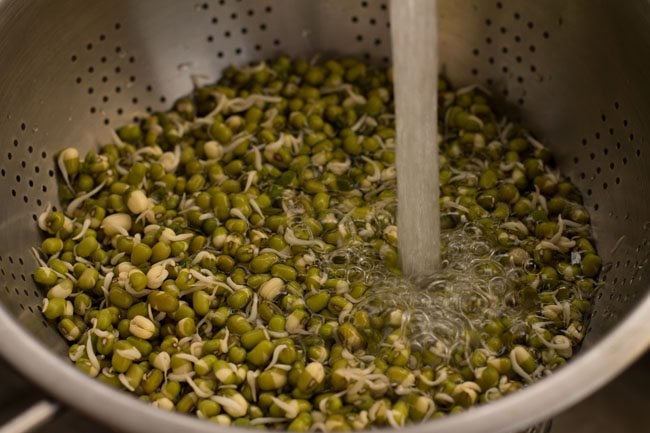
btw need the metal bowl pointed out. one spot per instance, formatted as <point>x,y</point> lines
<point>576,72</point>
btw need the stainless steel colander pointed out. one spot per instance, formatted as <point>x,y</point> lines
<point>575,71</point>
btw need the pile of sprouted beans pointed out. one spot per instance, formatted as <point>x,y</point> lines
<point>236,257</point>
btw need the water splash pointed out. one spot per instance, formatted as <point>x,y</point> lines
<point>474,285</point>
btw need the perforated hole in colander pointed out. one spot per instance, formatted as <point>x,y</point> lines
<point>511,44</point>
<point>108,73</point>
<point>243,32</point>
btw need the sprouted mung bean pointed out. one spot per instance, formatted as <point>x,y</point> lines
<point>235,257</point>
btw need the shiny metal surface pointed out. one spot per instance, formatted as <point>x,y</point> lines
<point>574,71</point>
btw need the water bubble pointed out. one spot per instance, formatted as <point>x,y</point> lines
<point>471,288</point>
